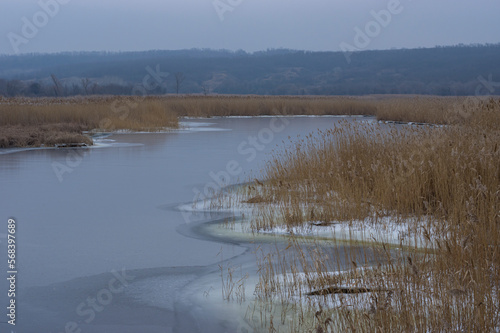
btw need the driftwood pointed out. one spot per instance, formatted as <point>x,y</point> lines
<point>342,290</point>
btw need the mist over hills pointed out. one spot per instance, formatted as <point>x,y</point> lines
<point>451,70</point>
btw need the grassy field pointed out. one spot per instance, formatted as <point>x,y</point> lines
<point>33,122</point>
<point>446,179</point>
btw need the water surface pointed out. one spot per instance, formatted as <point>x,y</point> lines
<point>84,216</point>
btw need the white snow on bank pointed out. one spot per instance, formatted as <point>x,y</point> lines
<point>194,124</point>
<point>191,126</point>
<point>283,116</point>
<point>387,229</point>
<point>293,288</point>
<point>209,205</point>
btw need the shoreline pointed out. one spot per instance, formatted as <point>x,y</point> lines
<point>312,231</point>
<point>387,230</point>
<point>233,225</point>
<point>49,121</point>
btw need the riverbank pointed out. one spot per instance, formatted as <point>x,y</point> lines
<point>427,199</point>
<point>34,122</point>
<point>119,224</point>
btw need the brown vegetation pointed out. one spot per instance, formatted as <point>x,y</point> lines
<point>210,106</point>
<point>448,178</point>
<point>153,113</point>
<point>44,135</point>
<point>33,122</point>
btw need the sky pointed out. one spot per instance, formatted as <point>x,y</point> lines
<point>48,26</point>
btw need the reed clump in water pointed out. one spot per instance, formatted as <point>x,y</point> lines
<point>47,135</point>
<point>33,122</point>
<point>446,178</point>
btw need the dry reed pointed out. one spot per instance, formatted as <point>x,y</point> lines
<point>111,113</point>
<point>448,177</point>
<point>65,119</point>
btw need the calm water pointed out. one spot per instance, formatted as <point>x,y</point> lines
<point>98,241</point>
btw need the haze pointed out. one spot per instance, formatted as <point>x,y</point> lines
<point>251,25</point>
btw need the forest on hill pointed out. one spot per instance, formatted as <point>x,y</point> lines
<point>451,70</point>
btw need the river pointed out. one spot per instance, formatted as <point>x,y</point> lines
<point>101,245</point>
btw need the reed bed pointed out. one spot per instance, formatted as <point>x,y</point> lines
<point>45,135</point>
<point>211,106</point>
<point>152,113</point>
<point>44,119</point>
<point>420,109</point>
<point>448,178</point>
<point>445,179</point>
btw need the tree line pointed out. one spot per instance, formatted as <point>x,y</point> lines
<point>452,70</point>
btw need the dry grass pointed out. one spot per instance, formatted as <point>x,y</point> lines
<point>50,121</point>
<point>47,135</point>
<point>158,112</point>
<point>107,113</point>
<point>47,121</point>
<point>209,106</point>
<point>419,109</point>
<point>448,177</point>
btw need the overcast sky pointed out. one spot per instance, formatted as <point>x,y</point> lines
<point>251,25</point>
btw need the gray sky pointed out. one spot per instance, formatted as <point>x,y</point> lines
<point>251,25</point>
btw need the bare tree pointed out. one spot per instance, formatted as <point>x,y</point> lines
<point>57,85</point>
<point>179,78</point>
<point>85,85</point>
<point>206,89</point>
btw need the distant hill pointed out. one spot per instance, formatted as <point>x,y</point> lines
<point>454,70</point>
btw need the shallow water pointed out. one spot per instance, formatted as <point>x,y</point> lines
<point>100,225</point>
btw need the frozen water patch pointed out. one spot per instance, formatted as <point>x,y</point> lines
<point>194,124</point>
<point>5,151</point>
<point>191,126</point>
<point>391,229</point>
<point>159,291</point>
<point>112,144</point>
<point>386,230</point>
